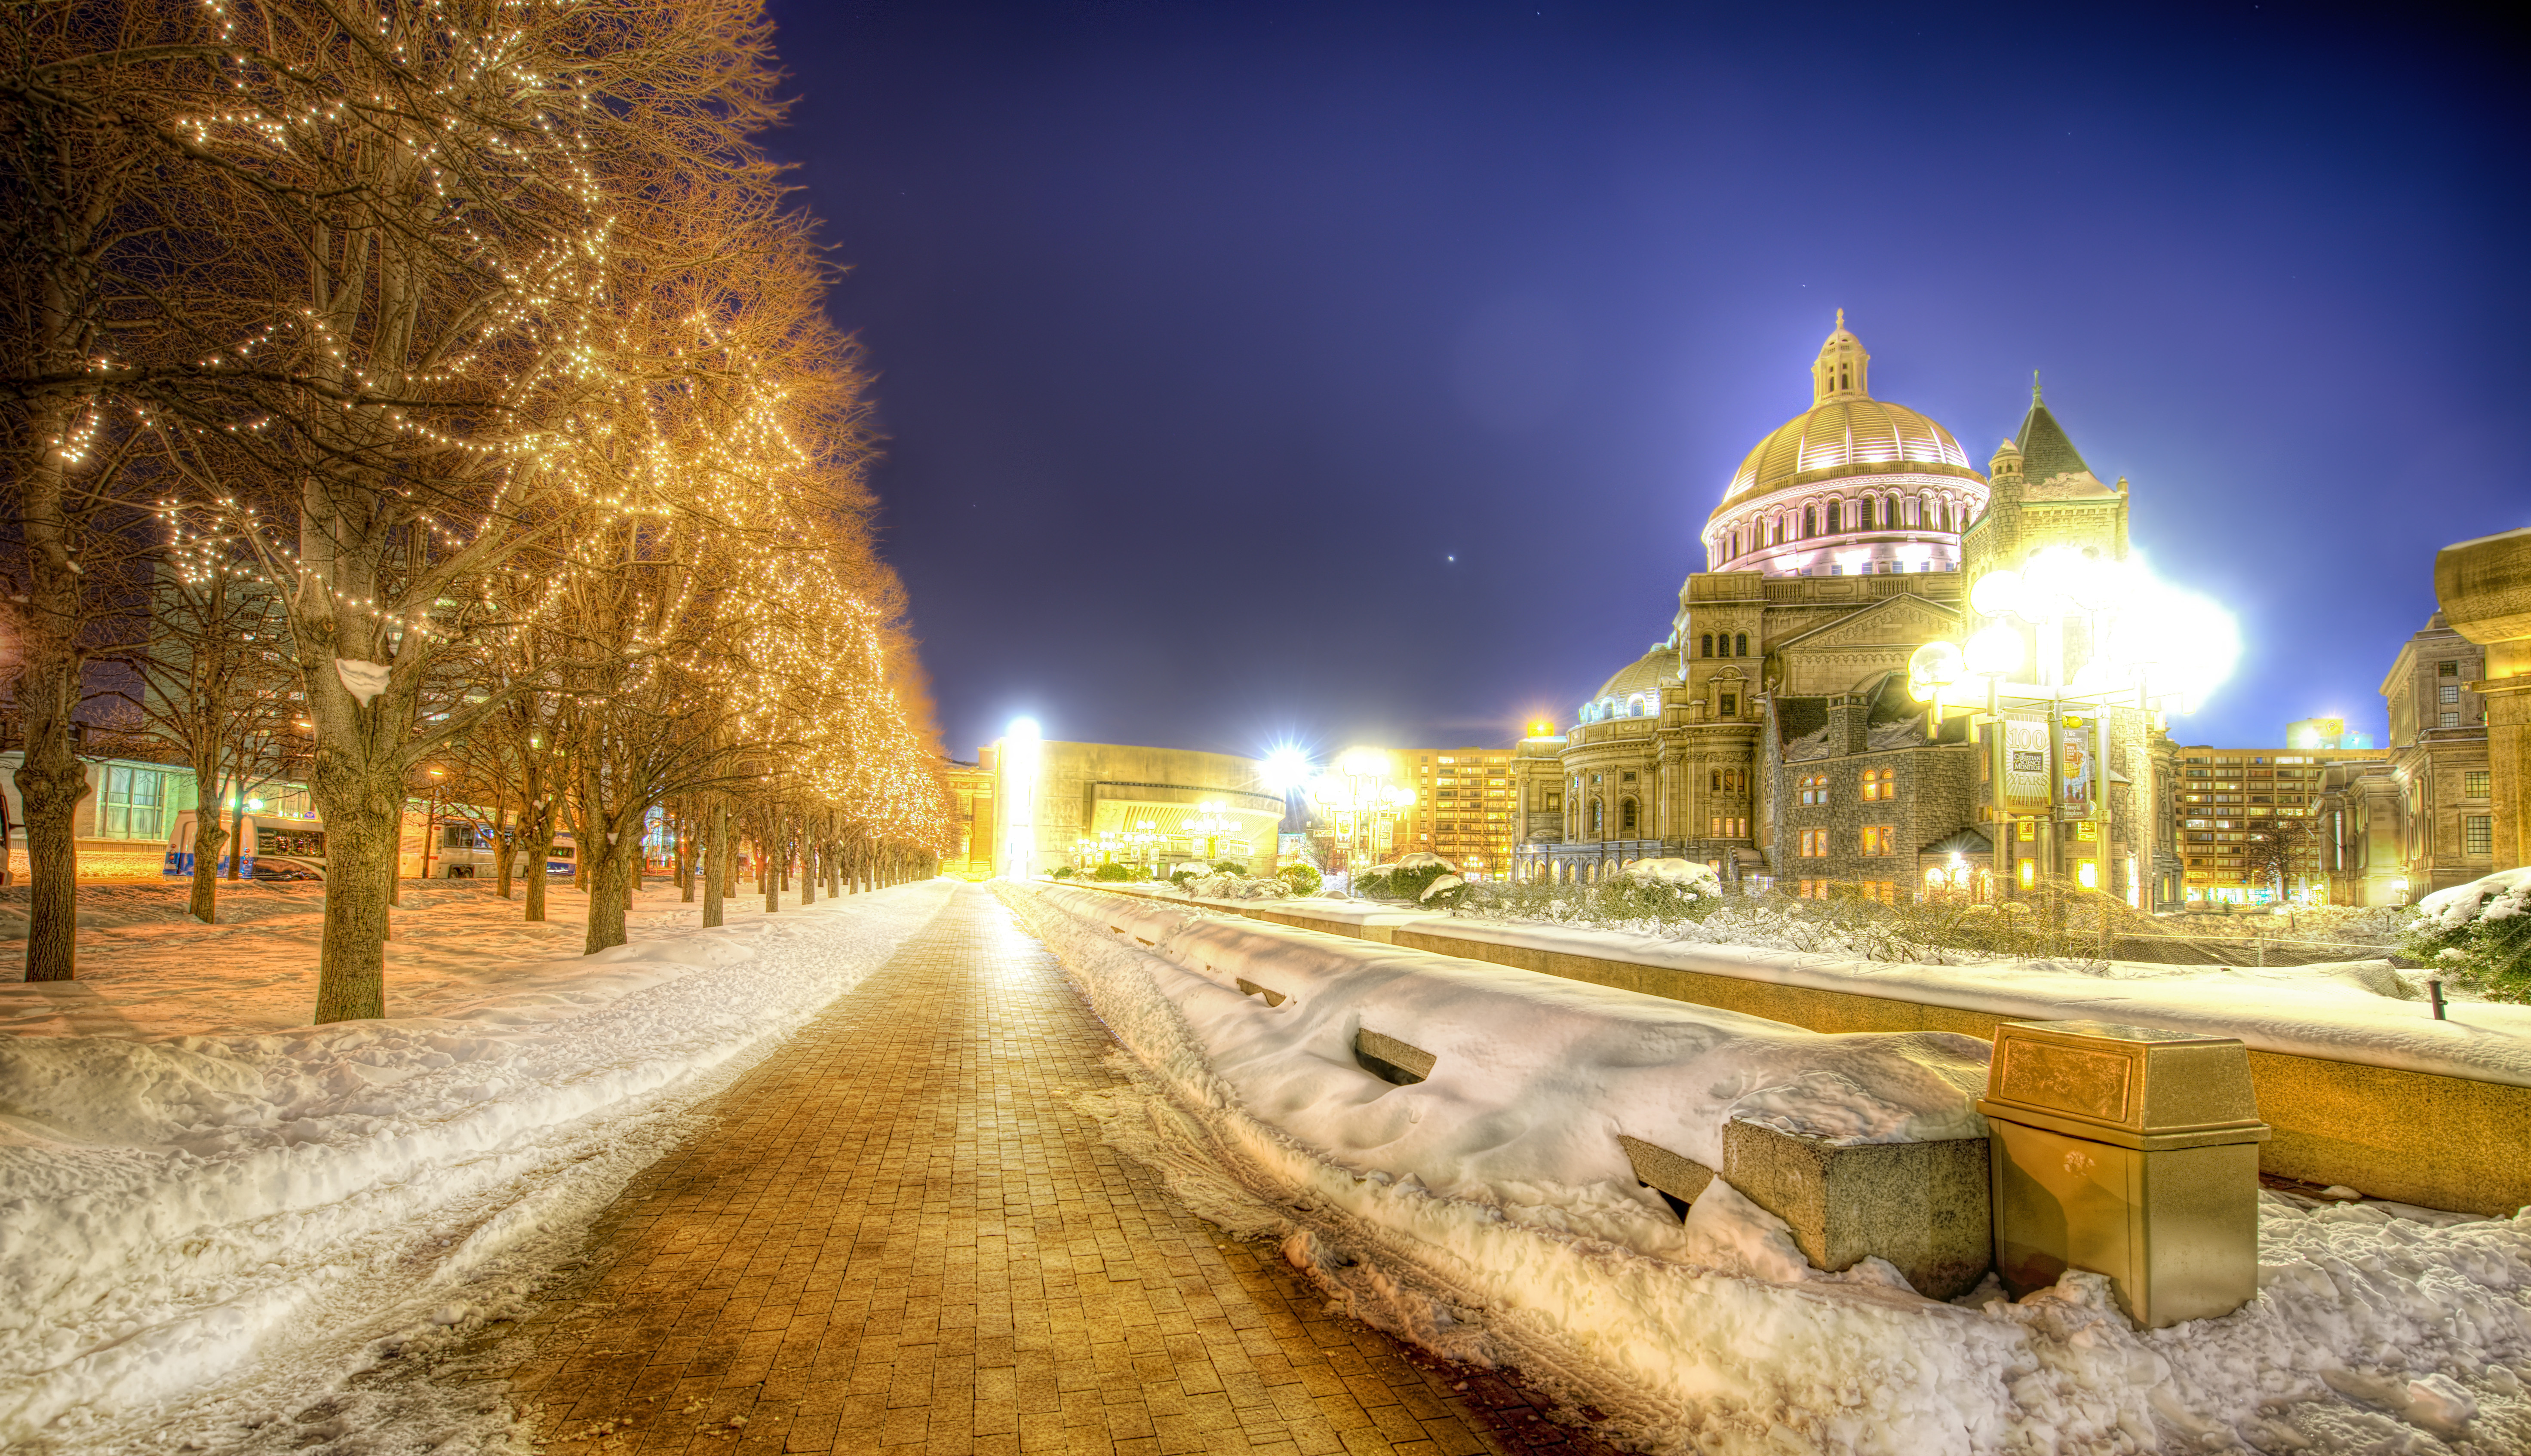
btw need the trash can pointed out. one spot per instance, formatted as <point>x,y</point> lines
<point>2131,1152</point>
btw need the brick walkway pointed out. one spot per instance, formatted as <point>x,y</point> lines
<point>902,1235</point>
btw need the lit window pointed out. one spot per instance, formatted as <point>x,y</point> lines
<point>2448,693</point>
<point>1881,839</point>
<point>2474,783</point>
<point>1813,788</point>
<point>2029,872</point>
<point>1878,784</point>
<point>2477,835</point>
<point>1814,844</point>
<point>2448,720</point>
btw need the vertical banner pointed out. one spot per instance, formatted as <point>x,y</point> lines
<point>2025,766</point>
<point>2078,762</point>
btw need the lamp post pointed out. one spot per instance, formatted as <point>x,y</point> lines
<point>1357,789</point>
<point>2072,640</point>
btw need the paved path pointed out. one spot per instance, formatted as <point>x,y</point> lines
<point>902,1235</point>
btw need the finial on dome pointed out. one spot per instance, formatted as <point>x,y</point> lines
<point>2033,386</point>
<point>1841,320</point>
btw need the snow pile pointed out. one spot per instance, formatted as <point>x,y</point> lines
<point>1692,875</point>
<point>204,1226</point>
<point>1486,1213</point>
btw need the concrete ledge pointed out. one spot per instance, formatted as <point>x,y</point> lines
<point>1393,1060</point>
<point>1927,1207</point>
<point>1680,1179</point>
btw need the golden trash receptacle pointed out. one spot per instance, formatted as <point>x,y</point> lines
<point>2131,1152</point>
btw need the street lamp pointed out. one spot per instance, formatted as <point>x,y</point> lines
<point>1355,790</point>
<point>2070,640</point>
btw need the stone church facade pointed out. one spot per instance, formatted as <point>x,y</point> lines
<point>1771,733</point>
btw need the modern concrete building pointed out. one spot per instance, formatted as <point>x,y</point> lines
<point>1054,803</point>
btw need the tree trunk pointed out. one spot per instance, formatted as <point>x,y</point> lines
<point>50,784</point>
<point>771,877</point>
<point>686,832</point>
<point>609,893</point>
<point>808,871</point>
<point>204,905</point>
<point>51,781</point>
<point>363,825</point>
<point>715,863</point>
<point>505,850</point>
<point>237,833</point>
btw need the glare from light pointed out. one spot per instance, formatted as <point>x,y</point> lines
<point>1021,728</point>
<point>1931,668</point>
<point>1285,767</point>
<point>1995,651</point>
<point>1363,761</point>
<point>1997,594</point>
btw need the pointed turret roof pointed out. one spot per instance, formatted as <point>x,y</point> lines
<point>2046,452</point>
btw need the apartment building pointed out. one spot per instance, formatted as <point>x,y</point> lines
<point>2223,800</point>
<point>1464,808</point>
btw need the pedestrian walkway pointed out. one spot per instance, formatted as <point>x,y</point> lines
<point>902,1235</point>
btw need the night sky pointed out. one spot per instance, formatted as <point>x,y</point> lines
<point>1365,373</point>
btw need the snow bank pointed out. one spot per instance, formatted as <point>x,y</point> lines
<point>1485,1214</point>
<point>2349,1011</point>
<point>222,1219</point>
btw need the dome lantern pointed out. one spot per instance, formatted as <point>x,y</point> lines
<point>1843,369</point>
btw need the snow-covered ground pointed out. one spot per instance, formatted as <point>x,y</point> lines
<point>1487,1213</point>
<point>211,1213</point>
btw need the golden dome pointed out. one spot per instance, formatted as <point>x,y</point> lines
<point>1648,674</point>
<point>1846,432</point>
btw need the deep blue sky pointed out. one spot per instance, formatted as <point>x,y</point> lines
<point>1205,333</point>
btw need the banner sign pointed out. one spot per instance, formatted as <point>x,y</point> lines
<point>2026,788</point>
<point>2078,766</point>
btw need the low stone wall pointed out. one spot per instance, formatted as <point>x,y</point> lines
<point>2421,1138</point>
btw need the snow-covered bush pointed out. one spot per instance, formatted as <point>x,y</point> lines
<point>1225,867</point>
<point>1301,878</point>
<point>1407,879</point>
<point>1064,872</point>
<point>1112,872</point>
<point>2480,933</point>
<point>1444,892</point>
<point>1184,874</point>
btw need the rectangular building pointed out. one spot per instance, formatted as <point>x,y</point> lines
<point>2221,799</point>
<point>1464,811</point>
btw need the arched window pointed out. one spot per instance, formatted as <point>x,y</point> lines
<point>1626,818</point>
<point>1834,514</point>
<point>1706,643</point>
<point>1810,521</point>
<point>1863,514</point>
<point>1714,780</point>
<point>1741,646</point>
<point>1595,818</point>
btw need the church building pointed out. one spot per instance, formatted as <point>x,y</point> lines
<point>1771,733</point>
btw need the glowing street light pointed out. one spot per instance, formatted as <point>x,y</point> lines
<point>1357,790</point>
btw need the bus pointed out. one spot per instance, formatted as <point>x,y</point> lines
<point>271,846</point>
<point>465,851</point>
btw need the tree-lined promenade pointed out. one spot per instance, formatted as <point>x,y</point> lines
<point>441,386</point>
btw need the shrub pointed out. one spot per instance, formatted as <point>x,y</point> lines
<point>1112,872</point>
<point>1224,867</point>
<point>1371,883</point>
<point>1410,881</point>
<point>1063,872</point>
<point>1302,879</point>
<point>2479,934</point>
